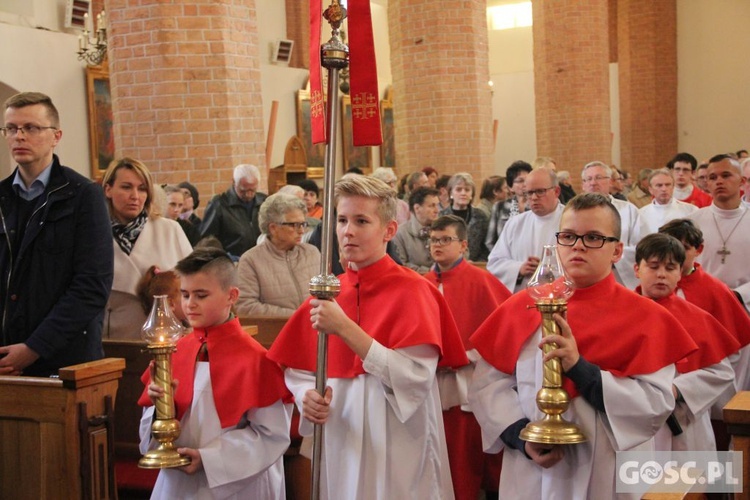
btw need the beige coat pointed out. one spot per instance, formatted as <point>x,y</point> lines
<point>275,283</point>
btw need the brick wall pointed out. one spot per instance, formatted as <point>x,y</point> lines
<point>442,102</point>
<point>298,29</point>
<point>571,82</point>
<point>185,85</point>
<point>647,54</point>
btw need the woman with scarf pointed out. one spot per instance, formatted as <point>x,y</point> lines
<point>142,238</point>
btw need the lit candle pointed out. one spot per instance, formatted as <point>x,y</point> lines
<point>98,22</point>
<point>104,19</point>
<point>86,22</point>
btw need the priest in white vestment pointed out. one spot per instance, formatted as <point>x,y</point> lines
<point>726,227</point>
<point>597,178</point>
<point>516,253</point>
<point>664,207</point>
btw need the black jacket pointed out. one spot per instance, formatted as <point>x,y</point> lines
<point>227,218</point>
<point>54,289</point>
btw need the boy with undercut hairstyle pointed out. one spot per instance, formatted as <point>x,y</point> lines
<point>704,375</point>
<point>389,331</point>
<point>472,295</point>
<point>233,406</point>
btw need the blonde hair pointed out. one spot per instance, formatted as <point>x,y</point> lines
<point>142,171</point>
<point>371,188</point>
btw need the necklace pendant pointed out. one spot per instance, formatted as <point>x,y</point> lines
<point>723,252</point>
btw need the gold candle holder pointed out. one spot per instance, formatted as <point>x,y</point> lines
<point>550,288</point>
<point>162,330</point>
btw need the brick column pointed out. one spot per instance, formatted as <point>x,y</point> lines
<point>571,82</point>
<point>442,103</point>
<point>185,83</point>
<point>298,29</point>
<point>647,55</point>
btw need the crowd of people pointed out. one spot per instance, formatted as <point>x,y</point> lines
<point>434,352</point>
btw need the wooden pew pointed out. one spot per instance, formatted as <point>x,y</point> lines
<point>56,435</point>
<point>737,418</point>
<point>268,327</point>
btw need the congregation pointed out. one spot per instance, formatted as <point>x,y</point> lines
<point>434,344</point>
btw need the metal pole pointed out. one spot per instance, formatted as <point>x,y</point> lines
<point>334,57</point>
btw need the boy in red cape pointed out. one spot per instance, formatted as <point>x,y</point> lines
<point>617,352</point>
<point>231,401</point>
<point>705,374</point>
<point>389,330</point>
<point>472,294</point>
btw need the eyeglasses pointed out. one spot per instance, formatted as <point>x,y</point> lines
<point>445,240</point>
<point>295,225</point>
<point>590,240</point>
<point>595,179</point>
<point>28,130</point>
<point>538,192</point>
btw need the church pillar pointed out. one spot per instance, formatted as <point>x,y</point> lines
<point>442,102</point>
<point>185,84</point>
<point>298,29</point>
<point>571,82</point>
<point>647,56</point>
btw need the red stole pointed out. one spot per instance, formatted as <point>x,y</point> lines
<point>714,341</point>
<point>716,298</point>
<point>241,376</point>
<point>471,293</point>
<point>615,328</point>
<point>364,76</point>
<point>317,113</point>
<point>393,304</point>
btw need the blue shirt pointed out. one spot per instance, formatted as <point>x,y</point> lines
<point>37,187</point>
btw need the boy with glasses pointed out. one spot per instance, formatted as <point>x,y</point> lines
<point>472,295</point>
<point>617,351</point>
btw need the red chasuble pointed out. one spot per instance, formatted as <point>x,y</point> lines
<point>714,341</point>
<point>472,294</point>
<point>615,328</point>
<point>241,376</point>
<point>393,304</point>
<point>716,298</point>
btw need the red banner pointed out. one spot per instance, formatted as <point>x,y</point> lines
<point>317,107</point>
<point>363,76</point>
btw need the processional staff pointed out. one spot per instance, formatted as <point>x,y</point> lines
<point>334,56</point>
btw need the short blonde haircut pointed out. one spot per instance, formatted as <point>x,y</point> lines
<point>142,171</point>
<point>371,188</point>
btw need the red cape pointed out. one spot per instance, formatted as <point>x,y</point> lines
<point>615,328</point>
<point>241,375</point>
<point>699,198</point>
<point>716,298</point>
<point>714,341</point>
<point>472,294</point>
<point>393,304</point>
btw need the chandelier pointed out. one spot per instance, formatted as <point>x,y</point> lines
<point>93,50</point>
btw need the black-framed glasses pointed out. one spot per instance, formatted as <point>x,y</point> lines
<point>590,240</point>
<point>538,192</point>
<point>28,130</point>
<point>445,240</point>
<point>295,225</point>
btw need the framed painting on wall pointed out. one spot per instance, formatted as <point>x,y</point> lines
<point>316,153</point>
<point>101,133</point>
<point>360,156</point>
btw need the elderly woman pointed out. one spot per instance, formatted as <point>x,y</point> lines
<point>462,189</point>
<point>274,275</point>
<point>387,175</point>
<point>142,238</point>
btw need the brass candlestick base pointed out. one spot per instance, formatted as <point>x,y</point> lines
<point>552,399</point>
<point>165,428</point>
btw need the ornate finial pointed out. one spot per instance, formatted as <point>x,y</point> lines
<point>335,14</point>
<point>335,53</point>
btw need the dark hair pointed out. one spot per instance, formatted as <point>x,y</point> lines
<point>721,157</point>
<point>515,169</point>
<point>489,186</point>
<point>683,157</point>
<point>211,261</point>
<point>445,221</point>
<point>442,181</point>
<point>418,196</point>
<point>684,230</point>
<point>662,246</point>
<point>31,98</point>
<point>354,170</point>
<point>428,171</point>
<point>193,192</point>
<point>739,153</point>
<point>587,201</point>
<point>154,282</point>
<point>309,185</point>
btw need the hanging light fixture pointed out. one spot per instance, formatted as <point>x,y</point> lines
<point>93,49</point>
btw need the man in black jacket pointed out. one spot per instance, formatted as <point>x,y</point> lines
<point>232,216</point>
<point>56,257</point>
